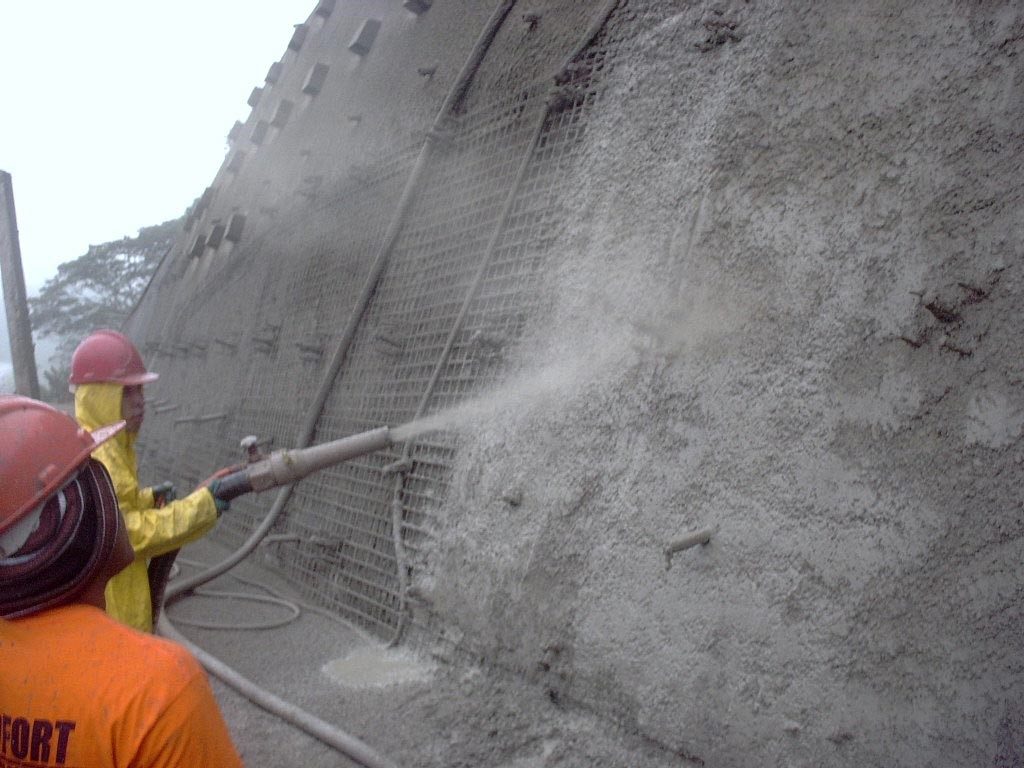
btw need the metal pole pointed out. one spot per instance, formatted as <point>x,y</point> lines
<point>19,328</point>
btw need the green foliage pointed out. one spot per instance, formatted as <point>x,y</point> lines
<point>96,290</point>
<point>54,386</point>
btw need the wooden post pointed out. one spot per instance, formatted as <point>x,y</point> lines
<point>19,328</point>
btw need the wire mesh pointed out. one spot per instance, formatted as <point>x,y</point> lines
<point>250,350</point>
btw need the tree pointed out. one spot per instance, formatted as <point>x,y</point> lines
<point>96,290</point>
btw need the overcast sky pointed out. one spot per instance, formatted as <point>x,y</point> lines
<point>114,113</point>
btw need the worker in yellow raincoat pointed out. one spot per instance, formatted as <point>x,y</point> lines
<point>107,374</point>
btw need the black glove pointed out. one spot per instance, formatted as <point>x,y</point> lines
<point>223,504</point>
<point>163,494</point>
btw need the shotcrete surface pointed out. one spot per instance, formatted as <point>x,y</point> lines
<point>785,306</point>
<point>431,715</point>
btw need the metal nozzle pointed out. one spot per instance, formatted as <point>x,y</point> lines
<point>288,466</point>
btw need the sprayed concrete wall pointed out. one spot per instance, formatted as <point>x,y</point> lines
<point>779,301</point>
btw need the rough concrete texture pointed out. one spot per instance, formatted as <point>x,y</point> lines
<point>786,308</point>
<point>789,308</point>
<point>459,715</point>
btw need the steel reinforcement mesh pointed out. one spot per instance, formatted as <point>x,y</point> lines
<point>460,283</point>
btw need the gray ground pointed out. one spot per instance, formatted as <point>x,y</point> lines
<point>459,716</point>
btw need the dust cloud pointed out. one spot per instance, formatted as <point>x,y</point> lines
<point>697,316</point>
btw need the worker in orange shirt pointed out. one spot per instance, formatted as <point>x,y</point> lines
<point>79,688</point>
<point>107,375</point>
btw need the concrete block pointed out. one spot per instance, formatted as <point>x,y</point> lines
<point>283,112</point>
<point>274,73</point>
<point>315,80</point>
<point>198,246</point>
<point>216,235</point>
<point>259,131</point>
<point>235,226</point>
<point>363,41</point>
<point>298,37</point>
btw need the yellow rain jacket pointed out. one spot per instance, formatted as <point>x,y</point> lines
<point>152,531</point>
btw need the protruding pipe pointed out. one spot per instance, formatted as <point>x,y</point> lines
<point>686,542</point>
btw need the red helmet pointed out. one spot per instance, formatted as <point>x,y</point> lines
<point>109,356</point>
<point>40,449</point>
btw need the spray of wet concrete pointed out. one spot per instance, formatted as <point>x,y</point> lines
<point>853,432</point>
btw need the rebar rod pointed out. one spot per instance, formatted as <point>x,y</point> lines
<point>686,542</point>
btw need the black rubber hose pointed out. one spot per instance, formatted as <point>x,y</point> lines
<point>234,485</point>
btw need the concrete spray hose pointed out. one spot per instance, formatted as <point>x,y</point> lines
<point>291,465</point>
<point>280,469</point>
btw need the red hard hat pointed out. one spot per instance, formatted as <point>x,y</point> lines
<point>40,448</point>
<point>110,357</point>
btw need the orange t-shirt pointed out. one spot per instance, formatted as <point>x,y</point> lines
<point>79,689</point>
